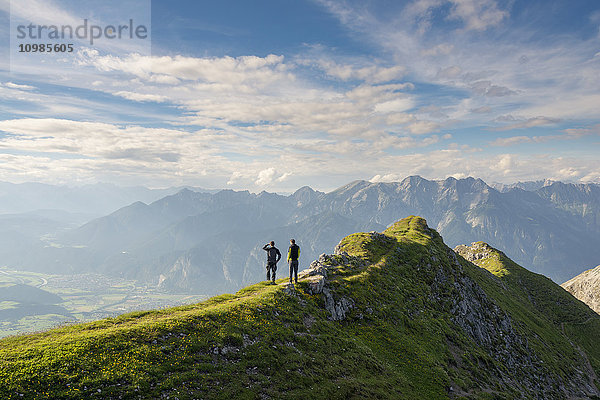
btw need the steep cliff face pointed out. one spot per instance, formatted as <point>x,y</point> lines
<point>586,287</point>
<point>391,315</point>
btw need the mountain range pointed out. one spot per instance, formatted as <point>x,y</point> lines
<point>529,185</point>
<point>211,242</point>
<point>391,315</point>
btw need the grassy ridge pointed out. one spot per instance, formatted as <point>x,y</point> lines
<point>269,341</point>
<point>258,341</point>
<point>555,313</point>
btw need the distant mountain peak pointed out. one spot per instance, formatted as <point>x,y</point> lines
<point>185,190</point>
<point>528,186</point>
<point>305,195</point>
<point>413,179</point>
<point>136,205</point>
<point>353,186</point>
<point>303,190</point>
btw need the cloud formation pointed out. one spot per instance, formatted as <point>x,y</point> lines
<point>434,87</point>
<point>522,123</point>
<point>477,15</point>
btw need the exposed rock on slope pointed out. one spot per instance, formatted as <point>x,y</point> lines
<point>316,278</point>
<point>586,287</point>
<point>545,300</point>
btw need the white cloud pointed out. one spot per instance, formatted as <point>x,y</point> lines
<point>387,178</point>
<point>266,93</point>
<point>525,123</point>
<point>568,106</point>
<point>259,71</point>
<point>76,151</point>
<point>451,72</point>
<point>422,127</point>
<point>592,130</point>
<point>482,110</point>
<point>507,72</point>
<point>165,79</point>
<point>511,141</point>
<point>284,177</point>
<point>486,88</point>
<point>400,118</point>
<point>569,134</point>
<point>97,140</point>
<point>442,49</point>
<point>374,93</point>
<point>140,97</point>
<point>12,85</point>
<point>396,106</point>
<point>370,73</point>
<point>235,178</point>
<point>269,176</point>
<point>477,15</point>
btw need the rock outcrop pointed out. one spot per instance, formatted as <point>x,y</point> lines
<point>477,251</point>
<point>316,278</point>
<point>586,287</point>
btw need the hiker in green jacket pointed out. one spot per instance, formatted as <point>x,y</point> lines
<point>292,258</point>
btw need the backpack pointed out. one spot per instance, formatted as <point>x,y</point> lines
<point>294,251</point>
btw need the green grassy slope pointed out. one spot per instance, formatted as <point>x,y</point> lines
<point>538,295</point>
<point>422,324</point>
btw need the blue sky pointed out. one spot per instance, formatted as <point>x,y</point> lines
<point>274,95</point>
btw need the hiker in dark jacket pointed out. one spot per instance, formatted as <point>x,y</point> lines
<point>292,259</point>
<point>273,257</point>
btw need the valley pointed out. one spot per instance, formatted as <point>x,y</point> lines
<point>76,298</point>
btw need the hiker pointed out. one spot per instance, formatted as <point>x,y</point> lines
<point>273,257</point>
<point>292,258</point>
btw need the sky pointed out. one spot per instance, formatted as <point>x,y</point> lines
<point>275,95</point>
